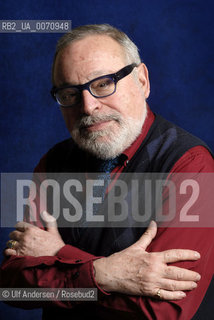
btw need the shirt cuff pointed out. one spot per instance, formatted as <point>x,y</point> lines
<point>70,254</point>
<point>85,278</point>
<point>83,275</point>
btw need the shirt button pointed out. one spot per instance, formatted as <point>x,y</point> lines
<point>75,275</point>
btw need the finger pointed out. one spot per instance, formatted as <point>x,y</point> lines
<point>169,295</point>
<point>10,252</point>
<point>173,285</point>
<point>16,235</point>
<point>175,255</point>
<point>22,226</point>
<point>181,274</point>
<point>148,236</point>
<point>50,222</point>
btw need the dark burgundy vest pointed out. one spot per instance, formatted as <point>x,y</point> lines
<point>164,144</point>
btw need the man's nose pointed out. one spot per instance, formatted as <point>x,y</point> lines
<point>89,103</point>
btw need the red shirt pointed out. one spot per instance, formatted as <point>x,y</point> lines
<point>29,271</point>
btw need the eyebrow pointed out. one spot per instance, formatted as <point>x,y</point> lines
<point>92,75</point>
<point>100,73</point>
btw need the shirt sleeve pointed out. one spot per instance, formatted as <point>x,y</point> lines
<point>196,160</point>
<point>73,268</point>
<point>70,268</point>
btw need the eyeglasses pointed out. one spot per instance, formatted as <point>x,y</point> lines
<point>101,87</point>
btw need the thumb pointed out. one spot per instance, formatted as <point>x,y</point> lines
<point>147,236</point>
<point>50,222</point>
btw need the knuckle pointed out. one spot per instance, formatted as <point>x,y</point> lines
<point>173,286</point>
<point>146,289</point>
<point>146,233</point>
<point>175,254</point>
<point>26,232</point>
<point>169,271</point>
<point>179,255</point>
<point>25,237</point>
<point>147,278</point>
<point>167,255</point>
<point>29,232</point>
<point>145,275</point>
<point>133,261</point>
<point>154,260</point>
<point>150,266</point>
<point>180,275</point>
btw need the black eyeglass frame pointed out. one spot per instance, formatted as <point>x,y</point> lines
<point>122,73</point>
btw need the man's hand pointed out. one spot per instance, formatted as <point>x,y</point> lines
<point>137,272</point>
<point>33,241</point>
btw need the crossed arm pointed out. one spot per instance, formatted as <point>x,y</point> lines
<point>132,276</point>
<point>133,271</point>
<point>127,280</point>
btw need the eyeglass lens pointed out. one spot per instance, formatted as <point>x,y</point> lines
<point>98,88</point>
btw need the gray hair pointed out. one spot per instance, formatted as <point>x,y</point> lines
<point>130,49</point>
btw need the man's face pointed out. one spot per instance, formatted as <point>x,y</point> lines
<point>103,126</point>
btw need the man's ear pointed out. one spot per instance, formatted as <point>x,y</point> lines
<point>143,76</point>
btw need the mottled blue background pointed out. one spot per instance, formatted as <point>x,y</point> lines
<point>175,38</point>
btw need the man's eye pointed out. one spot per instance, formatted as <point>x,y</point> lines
<point>102,84</point>
<point>105,83</point>
<point>68,96</point>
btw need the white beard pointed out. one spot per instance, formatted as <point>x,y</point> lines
<point>107,143</point>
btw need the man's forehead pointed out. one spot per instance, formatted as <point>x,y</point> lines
<point>92,57</point>
<point>92,47</point>
<point>96,40</point>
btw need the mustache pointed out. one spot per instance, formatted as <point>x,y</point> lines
<point>86,121</point>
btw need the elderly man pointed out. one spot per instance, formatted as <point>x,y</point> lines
<point>101,87</point>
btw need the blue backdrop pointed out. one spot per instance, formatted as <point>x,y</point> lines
<point>175,38</point>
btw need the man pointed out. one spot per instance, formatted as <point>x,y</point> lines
<point>102,86</point>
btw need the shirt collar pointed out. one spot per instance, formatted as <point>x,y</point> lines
<point>130,151</point>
